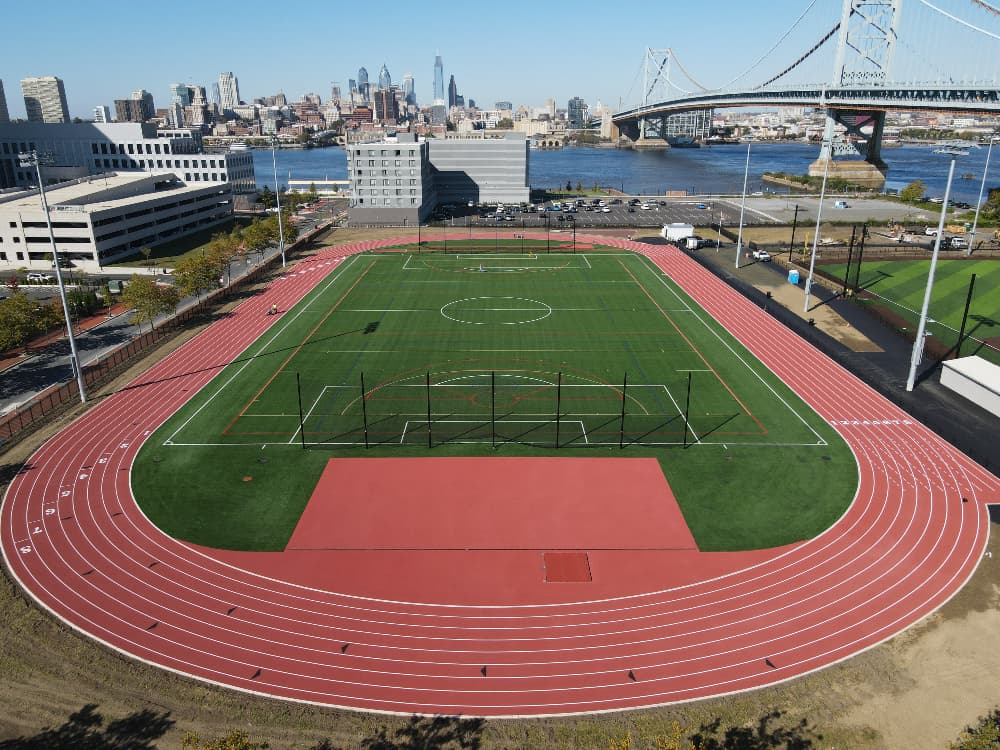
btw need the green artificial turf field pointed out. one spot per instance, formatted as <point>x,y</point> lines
<point>902,284</point>
<point>510,354</point>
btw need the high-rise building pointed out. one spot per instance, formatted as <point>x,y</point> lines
<point>363,83</point>
<point>452,92</point>
<point>229,92</point>
<point>102,113</point>
<point>576,113</point>
<point>335,92</point>
<point>386,107</point>
<point>438,80</point>
<point>4,114</point>
<point>137,108</point>
<point>409,95</point>
<point>216,96</point>
<point>384,79</point>
<point>180,93</point>
<point>504,105</point>
<point>45,99</point>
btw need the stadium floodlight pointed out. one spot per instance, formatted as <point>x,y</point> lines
<point>277,200</point>
<point>953,149</point>
<point>34,159</point>
<point>743,204</point>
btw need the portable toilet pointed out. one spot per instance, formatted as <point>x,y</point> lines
<point>793,276</point>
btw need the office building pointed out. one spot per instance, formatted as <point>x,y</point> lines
<point>438,81</point>
<point>481,169</point>
<point>229,92</point>
<point>216,97</point>
<point>138,108</point>
<point>386,106</point>
<point>452,92</point>
<point>363,83</point>
<point>409,94</point>
<point>504,105</point>
<point>102,113</point>
<point>84,149</point>
<point>4,114</point>
<point>391,182</point>
<point>384,79</point>
<point>45,99</point>
<point>96,222</point>
<point>180,93</point>
<point>398,181</point>
<point>576,113</point>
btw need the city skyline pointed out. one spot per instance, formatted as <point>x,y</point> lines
<point>559,51</point>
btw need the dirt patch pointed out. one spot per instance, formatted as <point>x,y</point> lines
<point>917,691</point>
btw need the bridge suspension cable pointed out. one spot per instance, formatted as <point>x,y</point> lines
<point>781,39</point>
<point>963,22</point>
<point>795,64</point>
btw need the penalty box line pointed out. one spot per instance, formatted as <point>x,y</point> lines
<point>422,425</point>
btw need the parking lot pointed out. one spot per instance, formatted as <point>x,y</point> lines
<point>589,213</point>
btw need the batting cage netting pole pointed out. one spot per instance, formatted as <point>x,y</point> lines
<point>364,409</point>
<point>965,316</point>
<point>558,405</point>
<point>621,429</point>
<point>493,408</point>
<point>430,438</point>
<point>302,427</point>
<point>687,410</point>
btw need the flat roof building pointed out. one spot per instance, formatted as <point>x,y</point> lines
<point>45,99</point>
<point>480,168</point>
<point>391,182</point>
<point>97,221</point>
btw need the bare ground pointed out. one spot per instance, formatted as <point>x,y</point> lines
<point>916,691</point>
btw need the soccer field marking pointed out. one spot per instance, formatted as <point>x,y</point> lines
<point>541,308</point>
<point>654,270</point>
<point>277,331</point>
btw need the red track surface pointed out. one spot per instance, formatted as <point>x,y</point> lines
<point>74,538</point>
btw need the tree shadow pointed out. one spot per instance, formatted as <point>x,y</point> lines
<point>430,733</point>
<point>763,736</point>
<point>85,730</point>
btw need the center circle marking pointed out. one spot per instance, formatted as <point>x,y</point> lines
<point>505,311</point>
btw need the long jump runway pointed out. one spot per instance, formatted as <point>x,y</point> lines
<point>75,540</point>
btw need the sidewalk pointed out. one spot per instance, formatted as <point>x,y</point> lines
<point>16,357</point>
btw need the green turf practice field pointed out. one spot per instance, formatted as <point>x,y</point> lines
<point>508,353</point>
<point>902,283</point>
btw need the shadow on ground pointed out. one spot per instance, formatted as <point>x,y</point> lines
<point>86,730</point>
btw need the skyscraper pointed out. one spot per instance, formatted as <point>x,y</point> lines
<point>180,93</point>
<point>229,92</point>
<point>452,92</point>
<point>384,79</point>
<point>4,115</point>
<point>438,80</point>
<point>363,83</point>
<point>45,99</point>
<point>576,113</point>
<point>102,113</point>
<point>409,96</point>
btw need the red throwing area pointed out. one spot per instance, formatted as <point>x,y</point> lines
<point>492,503</point>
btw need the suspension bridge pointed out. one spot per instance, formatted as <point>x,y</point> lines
<point>870,59</point>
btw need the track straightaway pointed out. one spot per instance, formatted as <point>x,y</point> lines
<point>75,540</point>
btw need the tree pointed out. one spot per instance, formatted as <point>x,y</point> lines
<point>984,736</point>
<point>579,187</point>
<point>19,321</point>
<point>569,186</point>
<point>505,123</point>
<point>313,195</point>
<point>196,273</point>
<point>148,299</point>
<point>913,192</point>
<point>266,197</point>
<point>146,252</point>
<point>257,236</point>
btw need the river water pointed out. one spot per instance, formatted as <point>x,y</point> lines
<point>707,170</point>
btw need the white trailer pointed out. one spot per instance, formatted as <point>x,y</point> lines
<point>677,232</point>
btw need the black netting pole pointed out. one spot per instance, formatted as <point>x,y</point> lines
<point>850,257</point>
<point>364,409</point>
<point>493,409</point>
<point>302,426</point>
<point>621,429</point>
<point>558,405</point>
<point>687,410</point>
<point>965,317</point>
<point>430,439</point>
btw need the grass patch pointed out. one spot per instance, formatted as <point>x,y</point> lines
<point>901,284</point>
<point>502,338</point>
<point>168,253</point>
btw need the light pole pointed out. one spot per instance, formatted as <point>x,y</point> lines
<point>277,201</point>
<point>954,150</point>
<point>819,217</point>
<point>30,159</point>
<point>743,204</point>
<point>979,203</point>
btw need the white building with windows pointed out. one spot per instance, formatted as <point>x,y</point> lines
<point>99,220</point>
<point>77,150</point>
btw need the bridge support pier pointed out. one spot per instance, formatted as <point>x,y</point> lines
<point>868,172</point>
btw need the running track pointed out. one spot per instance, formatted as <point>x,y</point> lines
<point>74,538</point>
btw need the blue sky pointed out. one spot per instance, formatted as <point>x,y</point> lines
<point>524,52</point>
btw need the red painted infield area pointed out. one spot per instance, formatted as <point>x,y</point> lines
<point>492,503</point>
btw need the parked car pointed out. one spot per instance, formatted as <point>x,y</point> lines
<point>957,243</point>
<point>930,231</point>
<point>760,255</point>
<point>841,204</point>
<point>700,205</point>
<point>39,277</point>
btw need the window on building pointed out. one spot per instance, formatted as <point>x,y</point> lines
<point>104,148</point>
<point>398,163</point>
<point>107,164</point>
<point>156,147</point>
<point>413,162</point>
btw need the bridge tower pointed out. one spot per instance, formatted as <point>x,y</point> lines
<point>865,46</point>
